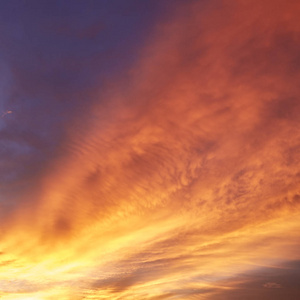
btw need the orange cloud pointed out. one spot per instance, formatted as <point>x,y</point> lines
<point>184,179</point>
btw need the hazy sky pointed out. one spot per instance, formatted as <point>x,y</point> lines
<point>150,149</point>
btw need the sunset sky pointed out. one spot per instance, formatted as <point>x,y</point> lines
<point>150,150</point>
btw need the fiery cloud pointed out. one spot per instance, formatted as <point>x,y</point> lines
<point>177,179</point>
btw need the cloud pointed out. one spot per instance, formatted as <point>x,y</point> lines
<point>272,285</point>
<point>266,282</point>
<point>177,177</point>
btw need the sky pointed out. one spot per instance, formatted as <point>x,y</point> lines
<point>149,150</point>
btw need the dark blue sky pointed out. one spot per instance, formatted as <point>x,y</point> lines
<point>52,55</point>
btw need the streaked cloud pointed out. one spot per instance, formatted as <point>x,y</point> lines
<point>175,179</point>
<point>272,285</point>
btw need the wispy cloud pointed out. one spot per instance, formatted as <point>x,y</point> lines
<point>272,285</point>
<point>174,179</point>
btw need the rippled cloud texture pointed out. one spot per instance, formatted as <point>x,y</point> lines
<point>150,150</point>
